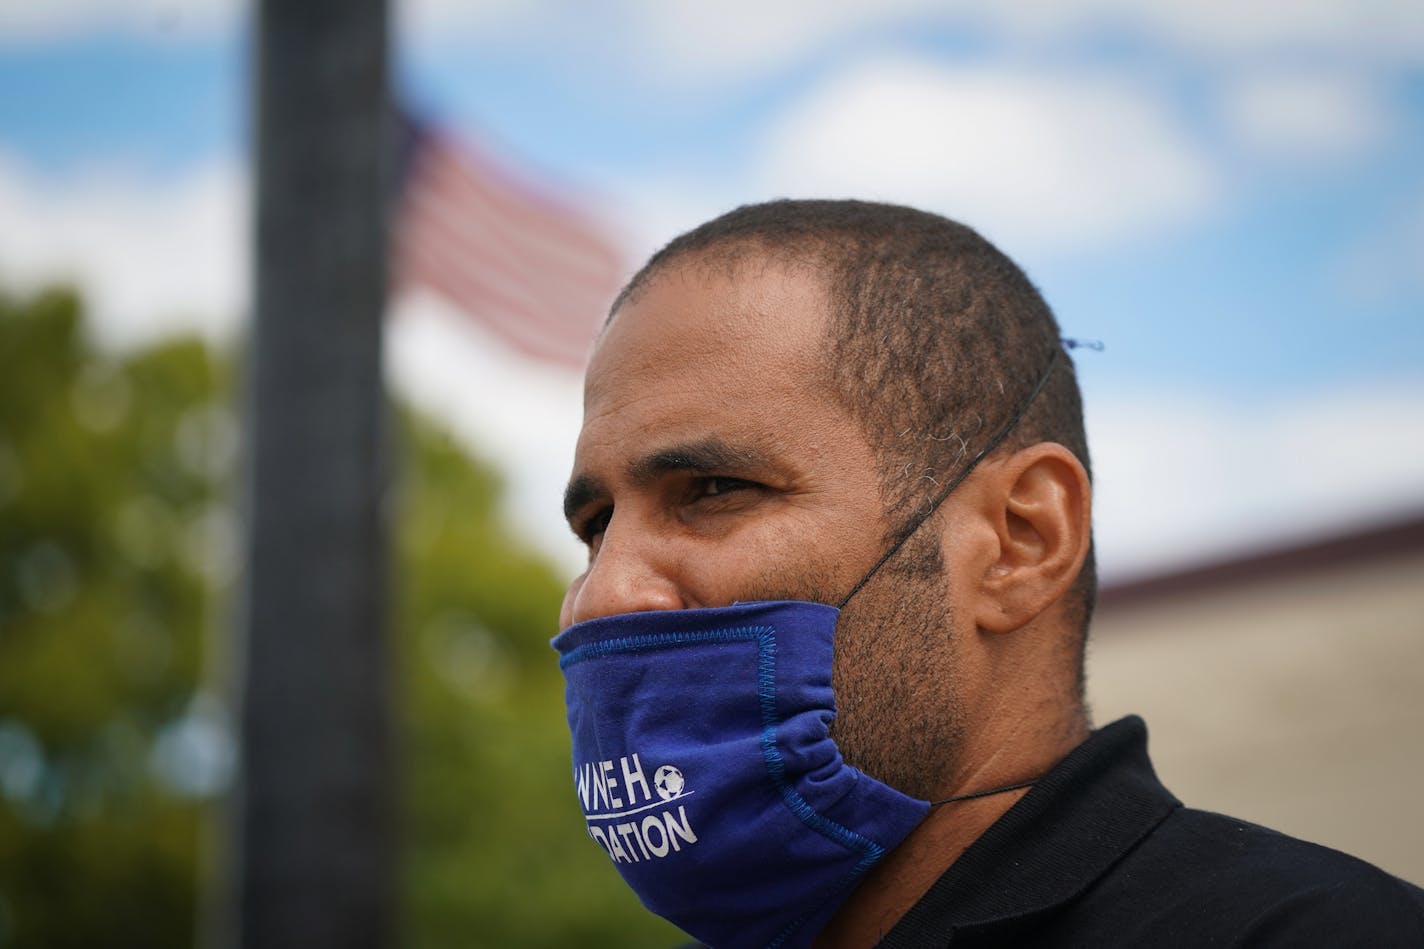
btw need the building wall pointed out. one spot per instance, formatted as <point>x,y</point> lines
<point>1295,702</point>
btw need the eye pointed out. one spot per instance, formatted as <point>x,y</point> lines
<point>715,486</point>
<point>718,501</point>
<point>592,527</point>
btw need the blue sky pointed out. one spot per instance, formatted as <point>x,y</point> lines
<point>1230,196</point>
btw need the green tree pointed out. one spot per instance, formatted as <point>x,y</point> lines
<point>108,553</point>
<point>117,553</point>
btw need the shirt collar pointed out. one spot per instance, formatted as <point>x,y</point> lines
<point>1065,833</point>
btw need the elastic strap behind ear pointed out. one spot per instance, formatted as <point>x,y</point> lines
<point>958,479</point>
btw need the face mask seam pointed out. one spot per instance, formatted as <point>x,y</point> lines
<point>647,642</point>
<point>870,852</point>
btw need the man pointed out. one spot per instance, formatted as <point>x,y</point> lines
<point>801,406</point>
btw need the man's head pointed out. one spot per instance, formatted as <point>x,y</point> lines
<point>775,401</point>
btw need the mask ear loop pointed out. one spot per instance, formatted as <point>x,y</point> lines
<point>958,479</point>
<point>915,526</point>
<point>988,793</point>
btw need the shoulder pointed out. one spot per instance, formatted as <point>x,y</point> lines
<point>1236,849</point>
<point>1206,875</point>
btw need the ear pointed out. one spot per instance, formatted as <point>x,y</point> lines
<point>1039,504</point>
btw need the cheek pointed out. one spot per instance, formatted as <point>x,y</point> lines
<point>897,685</point>
<point>796,570</point>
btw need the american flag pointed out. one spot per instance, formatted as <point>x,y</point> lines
<point>538,274</point>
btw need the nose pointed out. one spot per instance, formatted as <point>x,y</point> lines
<point>630,574</point>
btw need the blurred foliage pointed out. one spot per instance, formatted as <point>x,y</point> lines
<point>118,551</point>
<point>497,851</point>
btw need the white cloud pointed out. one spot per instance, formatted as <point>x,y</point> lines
<point>735,41</point>
<point>1184,478</point>
<point>1306,115</point>
<point>161,20</point>
<point>685,41</point>
<point>1377,32</point>
<point>1048,160</point>
<point>431,21</point>
<point>522,415</point>
<point>728,41</point>
<point>152,256</point>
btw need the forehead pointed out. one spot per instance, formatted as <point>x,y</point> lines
<point>733,353</point>
<point>733,316</point>
<point>713,327</point>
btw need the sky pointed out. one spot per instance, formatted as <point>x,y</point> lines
<point>1229,196</point>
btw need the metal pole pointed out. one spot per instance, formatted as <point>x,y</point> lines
<point>314,802</point>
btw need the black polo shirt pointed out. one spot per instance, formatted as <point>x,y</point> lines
<point>1099,853</point>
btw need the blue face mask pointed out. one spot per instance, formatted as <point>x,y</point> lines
<point>705,768</point>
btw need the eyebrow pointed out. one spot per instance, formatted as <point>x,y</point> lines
<point>707,455</point>
<point>582,490</point>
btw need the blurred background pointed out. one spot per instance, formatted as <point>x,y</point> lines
<point>1230,197</point>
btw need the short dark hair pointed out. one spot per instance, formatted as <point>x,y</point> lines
<point>935,340</point>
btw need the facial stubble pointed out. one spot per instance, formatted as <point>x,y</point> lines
<point>893,675</point>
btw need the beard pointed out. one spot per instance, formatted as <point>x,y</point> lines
<point>893,675</point>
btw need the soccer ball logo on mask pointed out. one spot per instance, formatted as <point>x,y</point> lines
<point>668,780</point>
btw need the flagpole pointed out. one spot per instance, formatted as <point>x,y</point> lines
<point>313,834</point>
